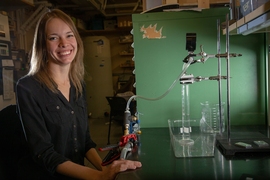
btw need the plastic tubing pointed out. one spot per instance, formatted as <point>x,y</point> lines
<point>185,66</point>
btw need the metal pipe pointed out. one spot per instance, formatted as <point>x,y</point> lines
<point>104,4</point>
<point>219,79</point>
<point>232,9</point>
<point>137,5</point>
<point>34,21</point>
<point>228,78</point>
<point>97,6</point>
<point>40,7</point>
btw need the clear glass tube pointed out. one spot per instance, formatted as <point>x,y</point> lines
<point>185,129</point>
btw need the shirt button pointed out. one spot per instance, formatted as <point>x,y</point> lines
<point>72,112</point>
<point>57,107</point>
<point>75,139</point>
<point>76,150</point>
<point>74,126</point>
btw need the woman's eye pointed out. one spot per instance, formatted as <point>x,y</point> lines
<point>70,35</point>
<point>52,38</point>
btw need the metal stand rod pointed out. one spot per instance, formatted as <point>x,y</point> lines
<point>228,78</point>
<point>219,79</point>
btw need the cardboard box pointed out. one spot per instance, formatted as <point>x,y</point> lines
<point>246,6</point>
<point>124,21</point>
<point>258,3</point>
<point>110,24</point>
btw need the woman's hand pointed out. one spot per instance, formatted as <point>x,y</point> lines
<point>119,166</point>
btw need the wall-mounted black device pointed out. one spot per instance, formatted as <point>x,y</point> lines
<point>190,42</point>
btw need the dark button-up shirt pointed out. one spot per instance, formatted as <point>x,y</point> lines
<point>56,129</point>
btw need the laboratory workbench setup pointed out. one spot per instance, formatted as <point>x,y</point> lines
<point>211,147</point>
<point>212,150</point>
<point>160,162</point>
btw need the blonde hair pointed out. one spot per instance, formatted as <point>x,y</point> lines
<point>38,61</point>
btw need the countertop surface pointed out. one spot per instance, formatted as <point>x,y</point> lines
<point>159,159</point>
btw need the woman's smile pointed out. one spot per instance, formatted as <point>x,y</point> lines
<point>64,53</point>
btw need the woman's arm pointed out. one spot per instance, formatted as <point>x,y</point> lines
<point>104,172</point>
<point>110,172</point>
<point>93,157</point>
<point>77,171</point>
<point>71,169</point>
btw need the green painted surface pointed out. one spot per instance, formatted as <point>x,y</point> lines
<point>158,62</point>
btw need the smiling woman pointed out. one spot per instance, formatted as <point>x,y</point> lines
<point>61,50</point>
<point>61,43</point>
<point>52,39</point>
<point>52,107</point>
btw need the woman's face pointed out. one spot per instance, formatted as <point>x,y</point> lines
<point>61,42</point>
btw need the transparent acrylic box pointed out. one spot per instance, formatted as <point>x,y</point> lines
<point>203,146</point>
